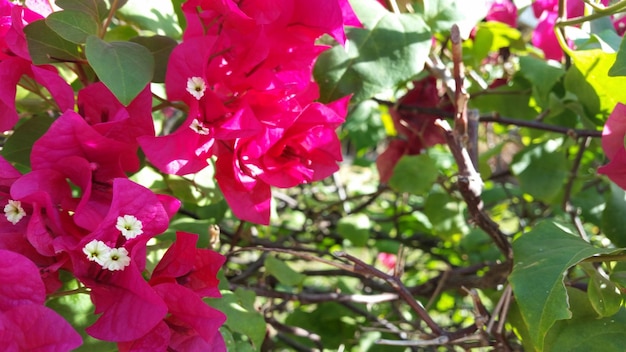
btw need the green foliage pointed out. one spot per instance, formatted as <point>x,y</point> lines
<point>390,50</point>
<point>424,169</point>
<point>46,46</point>
<point>124,67</point>
<point>542,256</point>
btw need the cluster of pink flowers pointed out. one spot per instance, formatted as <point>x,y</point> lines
<point>244,70</point>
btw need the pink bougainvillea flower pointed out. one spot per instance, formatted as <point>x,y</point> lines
<point>306,151</point>
<point>25,324</point>
<point>388,260</point>
<point>104,112</point>
<point>613,145</point>
<point>194,326</point>
<point>503,11</point>
<point>189,266</point>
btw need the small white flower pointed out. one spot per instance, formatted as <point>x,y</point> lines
<point>14,211</point>
<point>196,87</point>
<point>116,259</point>
<point>129,225</point>
<point>96,251</point>
<point>198,127</point>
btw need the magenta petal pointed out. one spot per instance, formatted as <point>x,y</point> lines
<point>614,131</point>
<point>40,329</point>
<point>616,169</point>
<point>20,282</point>
<point>188,308</point>
<point>180,153</point>
<point>11,70</point>
<point>130,307</point>
<point>61,92</point>
<point>156,340</point>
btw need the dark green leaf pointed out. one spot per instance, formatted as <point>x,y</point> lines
<point>619,67</point>
<point>604,296</point>
<point>124,67</point>
<point>17,148</point>
<point>613,216</point>
<point>445,214</point>
<point>585,333</point>
<point>72,25</point>
<point>414,174</point>
<point>390,50</point>
<point>46,46</point>
<point>161,47</point>
<point>282,272</point>
<point>511,100</point>
<point>97,9</point>
<point>542,256</point>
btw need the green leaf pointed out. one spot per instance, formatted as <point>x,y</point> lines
<point>364,125</point>
<point>588,78</point>
<point>282,272</point>
<point>613,216</point>
<point>542,74</point>
<point>17,148</point>
<point>618,274</point>
<point>124,67</point>
<point>541,170</point>
<point>97,9</point>
<point>46,46</point>
<point>414,174</point>
<point>511,100</point>
<point>72,25</point>
<point>542,256</point>
<point>604,296</point>
<point>161,47</point>
<point>619,67</point>
<point>491,36</point>
<point>390,50</point>
<point>242,318</point>
<point>440,15</point>
<point>585,333</point>
<point>445,214</point>
<point>355,228</point>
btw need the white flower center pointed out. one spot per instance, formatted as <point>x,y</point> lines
<point>14,211</point>
<point>129,225</point>
<point>196,87</point>
<point>96,251</point>
<point>198,127</point>
<point>116,259</point>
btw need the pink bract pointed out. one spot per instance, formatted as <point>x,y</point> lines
<point>613,145</point>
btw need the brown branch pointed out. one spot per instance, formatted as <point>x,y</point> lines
<point>572,132</point>
<point>312,297</point>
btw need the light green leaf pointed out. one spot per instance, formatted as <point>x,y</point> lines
<point>588,78</point>
<point>541,170</point>
<point>390,50</point>
<point>46,46</point>
<point>283,272</point>
<point>491,36</point>
<point>543,75</point>
<point>355,228</point>
<point>124,67</point>
<point>445,214</point>
<point>72,25</point>
<point>414,174</point>
<point>440,15</point>
<point>542,256</point>
<point>613,216</point>
<point>511,100</point>
<point>241,317</point>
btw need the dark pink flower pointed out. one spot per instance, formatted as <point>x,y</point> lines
<point>613,146</point>
<point>388,260</point>
<point>503,11</point>
<point>189,266</point>
<point>25,324</point>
